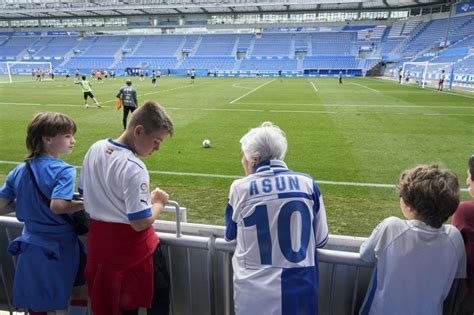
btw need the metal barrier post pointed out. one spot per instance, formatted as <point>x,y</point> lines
<point>6,289</point>
<point>170,271</point>
<point>356,286</point>
<point>331,289</point>
<point>172,203</point>
<point>226,276</point>
<point>210,269</point>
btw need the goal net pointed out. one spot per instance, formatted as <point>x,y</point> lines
<point>22,71</point>
<point>426,74</point>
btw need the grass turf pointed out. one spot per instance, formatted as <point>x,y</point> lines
<point>365,131</point>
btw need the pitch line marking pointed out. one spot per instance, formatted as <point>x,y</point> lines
<point>303,111</point>
<point>160,91</point>
<point>217,109</point>
<point>358,105</point>
<point>429,89</point>
<point>240,87</point>
<point>251,110</point>
<point>151,93</point>
<point>468,96</point>
<point>448,114</point>
<point>365,87</point>
<point>249,92</point>
<point>314,87</point>
<point>324,182</point>
<point>49,105</point>
<point>21,104</point>
<point>73,105</point>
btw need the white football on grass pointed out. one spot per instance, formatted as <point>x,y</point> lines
<point>206,143</point>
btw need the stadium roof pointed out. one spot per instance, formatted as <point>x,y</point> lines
<point>14,9</point>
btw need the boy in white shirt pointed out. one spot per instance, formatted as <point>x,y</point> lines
<point>416,260</point>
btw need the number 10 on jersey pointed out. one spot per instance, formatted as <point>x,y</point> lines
<point>259,218</point>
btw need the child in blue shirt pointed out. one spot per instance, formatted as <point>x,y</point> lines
<point>51,256</point>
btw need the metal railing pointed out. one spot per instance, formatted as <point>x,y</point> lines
<point>201,271</point>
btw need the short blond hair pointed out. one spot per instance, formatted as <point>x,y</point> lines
<point>152,116</point>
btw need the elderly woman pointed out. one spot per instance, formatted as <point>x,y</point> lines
<point>278,218</point>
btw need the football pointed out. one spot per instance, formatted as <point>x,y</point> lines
<point>206,143</point>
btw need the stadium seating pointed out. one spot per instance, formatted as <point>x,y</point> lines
<point>216,45</point>
<point>104,46</point>
<point>349,47</point>
<point>284,64</point>
<point>13,46</point>
<point>389,46</point>
<point>150,46</point>
<point>221,63</point>
<point>433,34</point>
<point>466,65</point>
<point>147,63</point>
<point>272,45</point>
<point>332,43</point>
<point>89,63</point>
<point>333,63</point>
<point>190,42</point>
<point>57,47</point>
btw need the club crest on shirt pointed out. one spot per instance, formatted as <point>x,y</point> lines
<point>144,193</point>
<point>109,151</point>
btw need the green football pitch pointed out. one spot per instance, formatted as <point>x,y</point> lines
<point>353,139</point>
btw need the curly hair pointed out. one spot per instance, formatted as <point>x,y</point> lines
<point>432,192</point>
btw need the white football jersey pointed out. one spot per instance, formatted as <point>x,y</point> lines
<point>415,265</point>
<point>115,183</point>
<point>278,218</point>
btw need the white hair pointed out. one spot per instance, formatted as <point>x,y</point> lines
<point>267,142</point>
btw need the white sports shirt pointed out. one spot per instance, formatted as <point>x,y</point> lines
<point>278,218</point>
<point>115,184</point>
<point>415,267</point>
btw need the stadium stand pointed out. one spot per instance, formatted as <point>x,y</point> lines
<point>201,258</point>
<point>359,47</point>
<point>57,47</point>
<point>104,46</point>
<point>216,45</point>
<point>150,46</point>
<point>330,63</point>
<point>88,64</point>
<point>434,32</point>
<point>147,63</point>
<point>272,45</point>
<point>268,64</point>
<point>222,63</point>
<point>15,45</point>
<point>332,43</point>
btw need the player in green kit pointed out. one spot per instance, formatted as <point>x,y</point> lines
<point>86,88</point>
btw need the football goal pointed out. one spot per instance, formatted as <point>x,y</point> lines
<point>23,71</point>
<point>427,74</point>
